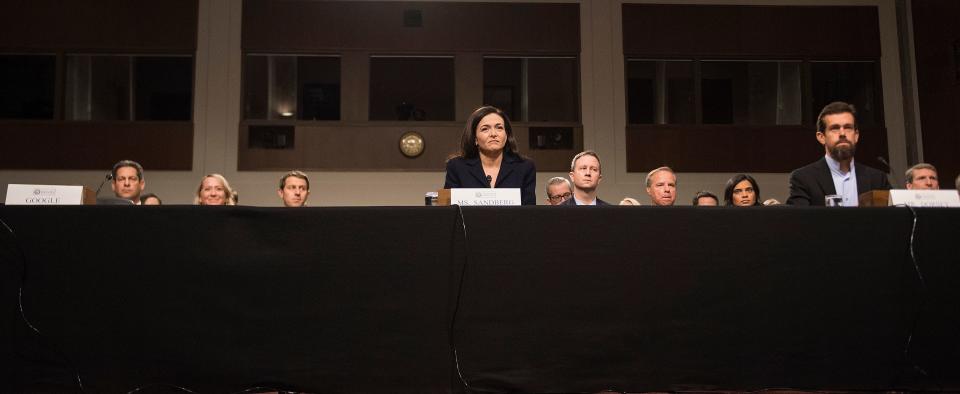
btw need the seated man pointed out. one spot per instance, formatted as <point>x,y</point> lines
<point>662,186</point>
<point>836,173</point>
<point>585,172</point>
<point>923,176</point>
<point>127,180</point>
<point>294,189</point>
<point>704,198</point>
<point>558,190</point>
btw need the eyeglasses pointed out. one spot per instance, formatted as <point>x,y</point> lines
<point>561,197</point>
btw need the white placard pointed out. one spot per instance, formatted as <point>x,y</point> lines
<point>925,198</point>
<point>44,195</point>
<point>485,197</point>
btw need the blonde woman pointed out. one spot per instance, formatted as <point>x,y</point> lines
<point>215,190</point>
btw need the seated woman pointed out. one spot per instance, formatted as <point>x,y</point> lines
<point>215,190</point>
<point>150,199</point>
<point>742,191</point>
<point>488,157</point>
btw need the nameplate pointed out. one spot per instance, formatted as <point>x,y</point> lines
<point>925,198</point>
<point>485,197</point>
<point>47,195</point>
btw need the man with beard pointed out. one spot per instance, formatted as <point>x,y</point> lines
<point>836,173</point>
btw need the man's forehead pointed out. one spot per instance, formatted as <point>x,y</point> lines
<point>587,160</point>
<point>127,170</point>
<point>663,175</point>
<point>840,118</point>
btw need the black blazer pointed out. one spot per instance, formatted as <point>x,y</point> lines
<point>811,183</point>
<point>572,201</point>
<point>515,171</point>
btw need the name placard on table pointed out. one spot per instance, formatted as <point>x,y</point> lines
<point>925,198</point>
<point>479,197</point>
<point>48,195</point>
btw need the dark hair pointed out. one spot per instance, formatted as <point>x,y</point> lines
<point>732,183</point>
<point>145,197</point>
<point>704,193</point>
<point>127,163</point>
<point>295,174</point>
<point>836,107</point>
<point>468,140</point>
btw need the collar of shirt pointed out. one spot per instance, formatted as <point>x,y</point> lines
<point>593,202</point>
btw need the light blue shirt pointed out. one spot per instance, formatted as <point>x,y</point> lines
<point>594,202</point>
<point>844,183</point>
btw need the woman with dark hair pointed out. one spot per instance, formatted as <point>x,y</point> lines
<point>742,191</point>
<point>488,157</point>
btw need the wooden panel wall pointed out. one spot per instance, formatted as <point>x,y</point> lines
<point>95,145</point>
<point>727,148</point>
<point>727,31</point>
<point>937,48</point>
<point>102,25</point>
<point>309,26</point>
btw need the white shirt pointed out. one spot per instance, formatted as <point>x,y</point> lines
<point>844,183</point>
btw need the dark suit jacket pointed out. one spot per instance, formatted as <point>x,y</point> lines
<point>571,201</point>
<point>514,172</point>
<point>811,183</point>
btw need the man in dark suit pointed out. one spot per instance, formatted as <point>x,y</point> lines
<point>836,173</point>
<point>585,173</point>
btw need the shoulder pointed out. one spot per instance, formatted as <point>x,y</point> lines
<point>810,169</point>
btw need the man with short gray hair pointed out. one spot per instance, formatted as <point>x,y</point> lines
<point>662,186</point>
<point>127,180</point>
<point>923,176</point>
<point>559,190</point>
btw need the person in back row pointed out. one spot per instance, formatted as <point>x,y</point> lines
<point>127,180</point>
<point>559,190</point>
<point>922,176</point>
<point>662,186</point>
<point>294,189</point>
<point>586,176</point>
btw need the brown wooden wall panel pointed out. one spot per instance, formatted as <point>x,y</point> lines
<point>95,145</point>
<point>937,48</point>
<point>336,147</point>
<point>727,31</point>
<point>108,25</point>
<point>748,149</point>
<point>329,26</point>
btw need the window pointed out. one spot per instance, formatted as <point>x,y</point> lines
<point>739,92</point>
<point>853,82</point>
<point>534,89</point>
<point>660,92</point>
<point>129,87</point>
<point>27,86</point>
<point>412,88</point>
<point>300,87</point>
<point>754,93</point>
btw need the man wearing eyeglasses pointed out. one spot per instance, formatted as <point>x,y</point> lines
<point>127,180</point>
<point>836,173</point>
<point>558,190</point>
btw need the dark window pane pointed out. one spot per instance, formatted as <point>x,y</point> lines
<point>660,92</point>
<point>503,85</point>
<point>27,86</point>
<point>318,81</point>
<point>255,87</point>
<point>98,87</point>
<point>755,93</point>
<point>163,87</point>
<point>533,89</point>
<point>411,88</point>
<point>852,82</point>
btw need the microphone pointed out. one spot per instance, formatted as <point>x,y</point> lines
<point>889,172</point>
<point>884,162</point>
<point>489,181</point>
<point>105,179</point>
